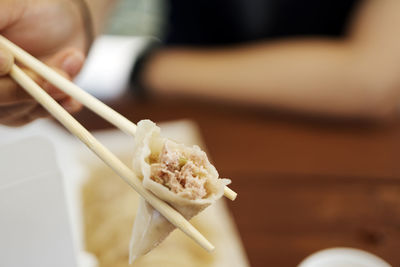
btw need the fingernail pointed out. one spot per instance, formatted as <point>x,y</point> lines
<point>53,91</point>
<point>49,88</point>
<point>58,95</point>
<point>71,105</point>
<point>73,63</point>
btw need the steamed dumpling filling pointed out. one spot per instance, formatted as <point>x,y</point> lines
<point>178,174</point>
<point>183,172</point>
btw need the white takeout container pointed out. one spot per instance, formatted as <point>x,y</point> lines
<point>67,162</point>
<point>35,227</point>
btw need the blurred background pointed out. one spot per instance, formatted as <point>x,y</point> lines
<point>297,103</point>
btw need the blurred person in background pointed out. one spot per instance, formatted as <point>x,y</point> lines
<point>58,32</point>
<point>338,58</point>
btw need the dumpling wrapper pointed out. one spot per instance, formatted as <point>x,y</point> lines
<point>150,227</point>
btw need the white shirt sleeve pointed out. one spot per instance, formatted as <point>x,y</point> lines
<point>107,70</point>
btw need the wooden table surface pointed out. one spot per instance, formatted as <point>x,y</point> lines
<point>304,184</point>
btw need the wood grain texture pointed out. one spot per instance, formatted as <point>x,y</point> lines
<point>304,183</point>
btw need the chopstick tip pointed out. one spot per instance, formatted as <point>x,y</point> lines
<point>230,194</point>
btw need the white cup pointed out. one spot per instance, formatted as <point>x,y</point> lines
<point>343,257</point>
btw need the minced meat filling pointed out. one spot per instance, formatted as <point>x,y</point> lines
<point>182,172</point>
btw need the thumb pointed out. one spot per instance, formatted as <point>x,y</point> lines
<point>6,61</point>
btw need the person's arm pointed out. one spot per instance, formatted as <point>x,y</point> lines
<point>357,76</point>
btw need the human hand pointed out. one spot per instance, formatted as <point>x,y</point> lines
<point>51,30</point>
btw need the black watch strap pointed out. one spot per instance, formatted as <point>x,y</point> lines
<point>136,81</point>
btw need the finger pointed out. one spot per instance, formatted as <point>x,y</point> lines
<point>21,121</point>
<point>11,92</point>
<point>39,112</point>
<point>67,103</point>
<point>6,61</point>
<point>65,100</point>
<point>20,114</point>
<point>13,113</point>
<point>71,105</point>
<point>52,90</point>
<point>69,60</point>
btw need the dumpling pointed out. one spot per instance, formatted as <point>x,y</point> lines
<point>180,175</point>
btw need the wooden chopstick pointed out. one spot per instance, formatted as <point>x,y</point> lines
<point>70,88</point>
<point>109,158</point>
<point>229,193</point>
<point>77,93</point>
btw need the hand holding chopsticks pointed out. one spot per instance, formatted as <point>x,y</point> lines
<point>80,95</point>
<point>79,131</point>
<point>110,159</point>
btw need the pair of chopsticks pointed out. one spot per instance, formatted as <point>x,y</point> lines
<point>87,138</point>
